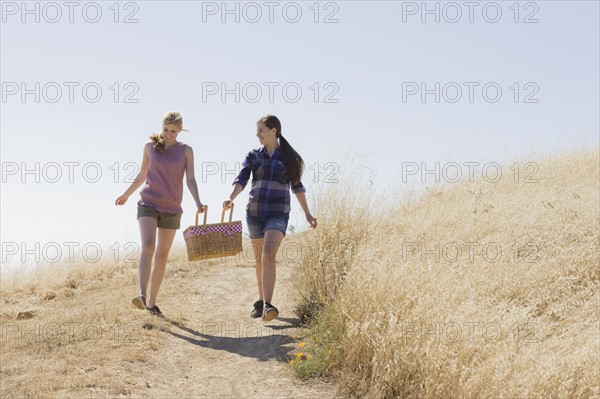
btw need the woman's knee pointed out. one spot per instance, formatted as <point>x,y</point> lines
<point>161,258</point>
<point>148,248</point>
<point>269,253</point>
<point>267,263</point>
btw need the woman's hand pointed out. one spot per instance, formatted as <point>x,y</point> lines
<point>122,199</point>
<point>227,204</point>
<point>311,220</point>
<point>202,208</point>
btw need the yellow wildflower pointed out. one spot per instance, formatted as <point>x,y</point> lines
<point>302,344</point>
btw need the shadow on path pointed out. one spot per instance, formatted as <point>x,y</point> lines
<point>292,322</point>
<point>245,339</point>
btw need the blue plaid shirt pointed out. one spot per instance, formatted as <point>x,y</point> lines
<point>270,192</point>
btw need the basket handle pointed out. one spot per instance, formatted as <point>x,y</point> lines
<point>230,213</point>
<point>205,215</point>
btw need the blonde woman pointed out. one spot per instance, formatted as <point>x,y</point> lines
<point>276,168</point>
<point>164,164</point>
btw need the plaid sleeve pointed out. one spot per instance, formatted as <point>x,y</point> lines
<point>298,187</point>
<point>244,174</point>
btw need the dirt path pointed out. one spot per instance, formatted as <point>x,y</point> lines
<point>215,350</point>
<point>85,339</point>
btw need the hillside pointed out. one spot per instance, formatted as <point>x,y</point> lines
<point>85,339</point>
<point>477,289</point>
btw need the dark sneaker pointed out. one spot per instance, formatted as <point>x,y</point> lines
<point>270,312</point>
<point>258,309</point>
<point>155,311</point>
<point>139,302</point>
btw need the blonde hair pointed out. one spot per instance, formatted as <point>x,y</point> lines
<point>170,118</point>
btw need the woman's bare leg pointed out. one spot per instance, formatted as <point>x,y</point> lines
<point>272,241</point>
<point>148,235</point>
<point>165,240</point>
<point>257,245</point>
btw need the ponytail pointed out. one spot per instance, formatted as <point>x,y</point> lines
<point>159,142</point>
<point>293,162</point>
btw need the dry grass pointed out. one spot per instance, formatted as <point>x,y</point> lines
<point>476,290</point>
<point>80,339</point>
<point>390,319</point>
<point>69,331</point>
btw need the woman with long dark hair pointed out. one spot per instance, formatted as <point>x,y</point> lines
<point>275,168</point>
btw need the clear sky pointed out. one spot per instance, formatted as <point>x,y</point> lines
<point>344,77</point>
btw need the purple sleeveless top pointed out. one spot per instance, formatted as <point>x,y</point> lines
<point>163,190</point>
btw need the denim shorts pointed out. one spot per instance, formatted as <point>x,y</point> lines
<point>164,220</point>
<point>257,226</point>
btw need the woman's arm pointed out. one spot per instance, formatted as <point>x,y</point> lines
<point>301,197</point>
<point>191,177</point>
<point>139,179</point>
<point>237,189</point>
<point>241,180</point>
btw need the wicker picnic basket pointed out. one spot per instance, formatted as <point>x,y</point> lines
<point>217,240</point>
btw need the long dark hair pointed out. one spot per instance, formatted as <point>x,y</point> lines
<point>293,162</point>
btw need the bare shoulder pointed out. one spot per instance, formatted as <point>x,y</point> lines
<point>188,151</point>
